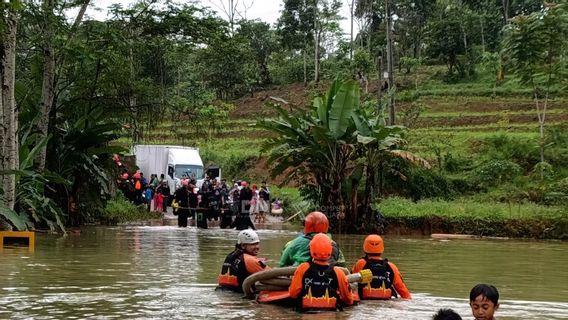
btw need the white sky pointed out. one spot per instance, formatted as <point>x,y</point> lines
<point>265,10</point>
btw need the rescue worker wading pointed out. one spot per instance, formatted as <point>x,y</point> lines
<point>297,250</point>
<point>387,281</point>
<point>242,262</point>
<point>318,286</point>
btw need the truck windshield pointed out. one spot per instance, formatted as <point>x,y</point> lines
<point>188,171</point>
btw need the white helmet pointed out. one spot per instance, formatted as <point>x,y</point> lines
<point>247,237</point>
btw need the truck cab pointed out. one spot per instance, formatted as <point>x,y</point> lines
<point>177,162</point>
<point>184,164</point>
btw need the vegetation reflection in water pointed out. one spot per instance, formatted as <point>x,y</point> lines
<point>166,272</point>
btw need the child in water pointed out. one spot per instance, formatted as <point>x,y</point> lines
<point>446,314</point>
<point>484,301</point>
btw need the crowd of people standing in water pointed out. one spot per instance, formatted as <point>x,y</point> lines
<point>319,284</point>
<point>214,200</point>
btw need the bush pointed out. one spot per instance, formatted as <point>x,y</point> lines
<point>502,147</point>
<point>287,70</point>
<point>119,210</point>
<point>495,172</point>
<point>424,183</point>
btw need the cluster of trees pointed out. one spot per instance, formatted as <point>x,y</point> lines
<point>71,85</point>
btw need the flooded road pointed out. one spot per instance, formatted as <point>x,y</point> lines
<point>166,272</point>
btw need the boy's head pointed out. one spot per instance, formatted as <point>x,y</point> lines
<point>484,301</point>
<point>446,314</point>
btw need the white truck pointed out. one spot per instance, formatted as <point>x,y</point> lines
<point>175,162</point>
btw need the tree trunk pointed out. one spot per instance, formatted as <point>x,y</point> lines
<point>390,66</point>
<point>305,66</point>
<point>48,82</point>
<point>9,114</point>
<point>353,217</point>
<point>317,31</point>
<point>316,57</point>
<point>505,10</point>
<point>352,8</point>
<point>482,34</point>
<point>541,113</point>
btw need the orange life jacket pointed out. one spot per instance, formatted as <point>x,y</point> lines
<point>320,289</point>
<point>234,272</point>
<point>381,287</point>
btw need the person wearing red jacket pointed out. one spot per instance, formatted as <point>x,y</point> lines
<point>317,285</point>
<point>387,281</point>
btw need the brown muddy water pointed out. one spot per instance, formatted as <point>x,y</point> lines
<point>169,273</point>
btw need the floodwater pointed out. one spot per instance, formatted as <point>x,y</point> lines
<point>169,273</point>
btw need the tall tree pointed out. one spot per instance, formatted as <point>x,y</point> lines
<point>50,58</point>
<point>8,112</point>
<point>262,42</point>
<point>296,28</point>
<point>326,17</point>
<point>536,47</point>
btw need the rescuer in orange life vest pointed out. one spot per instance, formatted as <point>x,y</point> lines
<point>387,281</point>
<point>317,285</point>
<point>242,262</point>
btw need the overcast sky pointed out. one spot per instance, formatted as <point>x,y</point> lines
<point>265,10</point>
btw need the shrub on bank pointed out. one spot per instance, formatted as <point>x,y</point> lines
<point>119,210</point>
<point>467,216</point>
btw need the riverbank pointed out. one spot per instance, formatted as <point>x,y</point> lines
<point>405,217</point>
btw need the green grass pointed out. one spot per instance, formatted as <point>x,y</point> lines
<point>120,210</point>
<point>399,207</point>
<point>504,114</point>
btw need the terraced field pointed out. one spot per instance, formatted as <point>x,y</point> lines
<point>454,117</point>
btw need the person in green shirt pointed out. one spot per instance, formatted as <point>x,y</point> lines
<point>298,250</point>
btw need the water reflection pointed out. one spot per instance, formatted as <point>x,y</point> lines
<point>167,272</point>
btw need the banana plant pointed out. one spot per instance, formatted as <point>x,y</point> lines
<point>317,148</point>
<point>332,148</point>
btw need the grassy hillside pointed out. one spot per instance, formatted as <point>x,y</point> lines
<point>481,139</point>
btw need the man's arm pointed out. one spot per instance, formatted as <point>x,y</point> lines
<point>254,264</point>
<point>286,257</point>
<point>358,266</point>
<point>344,289</point>
<point>296,285</point>
<point>398,283</point>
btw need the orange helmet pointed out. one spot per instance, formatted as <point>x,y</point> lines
<point>373,244</point>
<point>320,247</point>
<point>316,222</point>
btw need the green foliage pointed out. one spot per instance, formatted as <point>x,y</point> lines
<point>411,114</point>
<point>362,62</point>
<point>504,147</point>
<point>424,183</point>
<point>212,118</point>
<point>535,46</point>
<point>399,207</point>
<point>119,210</point>
<point>409,63</point>
<point>477,218</point>
<point>496,172</point>
<point>227,66</point>
<point>262,42</point>
<point>287,69</point>
<point>445,36</point>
